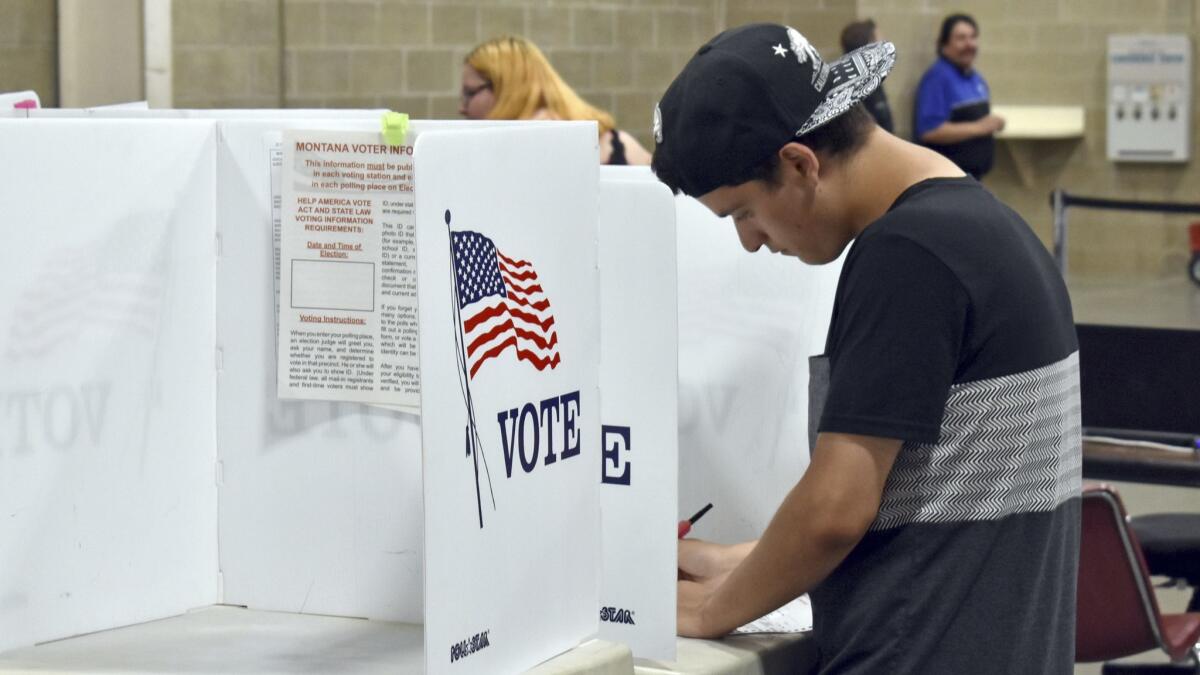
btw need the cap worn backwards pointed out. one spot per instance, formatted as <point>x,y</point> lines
<point>749,91</point>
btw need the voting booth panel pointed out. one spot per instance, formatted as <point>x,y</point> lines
<point>747,325</point>
<point>147,466</point>
<point>509,353</point>
<point>638,408</point>
<point>107,493</point>
<point>334,487</point>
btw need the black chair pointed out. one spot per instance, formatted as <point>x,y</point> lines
<point>1171,545</point>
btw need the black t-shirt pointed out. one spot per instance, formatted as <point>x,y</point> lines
<point>952,331</point>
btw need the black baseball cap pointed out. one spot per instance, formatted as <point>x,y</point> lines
<point>749,91</point>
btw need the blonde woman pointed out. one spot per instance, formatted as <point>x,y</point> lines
<point>508,78</point>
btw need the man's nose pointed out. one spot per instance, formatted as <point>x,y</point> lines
<point>750,237</point>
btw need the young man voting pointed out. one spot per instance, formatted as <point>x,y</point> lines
<point>937,525</point>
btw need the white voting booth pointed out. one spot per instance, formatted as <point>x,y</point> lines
<point>639,438</point>
<point>107,477</point>
<point>147,467</point>
<point>747,324</point>
<point>504,430</point>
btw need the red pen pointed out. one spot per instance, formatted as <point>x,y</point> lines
<point>685,526</point>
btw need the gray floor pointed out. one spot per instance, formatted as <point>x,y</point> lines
<point>1155,303</point>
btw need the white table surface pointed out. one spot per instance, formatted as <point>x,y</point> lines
<point>222,640</point>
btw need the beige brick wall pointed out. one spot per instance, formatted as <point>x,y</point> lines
<point>29,48</point>
<point>407,54</point>
<point>821,21</point>
<point>621,54</point>
<point>1053,52</point>
<point>226,53</point>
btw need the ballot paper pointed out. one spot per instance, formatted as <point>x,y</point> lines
<point>794,617</point>
<point>347,303</point>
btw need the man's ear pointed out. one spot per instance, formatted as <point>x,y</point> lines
<point>799,159</point>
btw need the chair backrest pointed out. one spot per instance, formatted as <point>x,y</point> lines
<point>1117,613</point>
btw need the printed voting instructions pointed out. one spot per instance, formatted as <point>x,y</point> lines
<point>348,291</point>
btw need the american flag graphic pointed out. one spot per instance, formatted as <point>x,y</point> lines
<point>503,307</point>
<point>115,283</point>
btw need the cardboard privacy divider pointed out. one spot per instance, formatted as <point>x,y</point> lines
<point>509,350</point>
<point>127,494</point>
<point>334,487</point>
<point>747,325</point>
<point>122,481</point>
<point>106,403</point>
<point>638,408</point>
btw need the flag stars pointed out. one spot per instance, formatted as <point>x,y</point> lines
<point>779,50</point>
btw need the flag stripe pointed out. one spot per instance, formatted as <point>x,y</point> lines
<point>539,340</point>
<point>536,288</point>
<point>544,324</point>
<point>510,342</point>
<point>489,336</point>
<point>538,362</point>
<point>519,276</point>
<point>541,305</point>
<point>511,262</point>
<point>471,322</point>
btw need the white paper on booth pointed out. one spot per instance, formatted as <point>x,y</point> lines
<point>274,143</point>
<point>348,308</point>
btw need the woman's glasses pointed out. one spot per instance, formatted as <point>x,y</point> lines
<point>470,93</point>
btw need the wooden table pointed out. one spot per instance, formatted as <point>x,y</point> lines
<point>1104,461</point>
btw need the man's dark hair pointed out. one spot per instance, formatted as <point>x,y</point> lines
<point>857,34</point>
<point>948,25</point>
<point>841,136</point>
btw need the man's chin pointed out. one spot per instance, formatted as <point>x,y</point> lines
<point>810,258</point>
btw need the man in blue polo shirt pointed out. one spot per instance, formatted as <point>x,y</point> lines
<point>953,113</point>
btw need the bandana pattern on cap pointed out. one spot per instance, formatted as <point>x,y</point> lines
<point>867,63</point>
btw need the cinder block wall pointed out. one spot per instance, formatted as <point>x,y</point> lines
<point>29,48</point>
<point>1054,52</point>
<point>621,54</point>
<point>227,53</point>
<point>407,54</point>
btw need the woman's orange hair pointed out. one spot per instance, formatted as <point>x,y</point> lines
<point>525,83</point>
